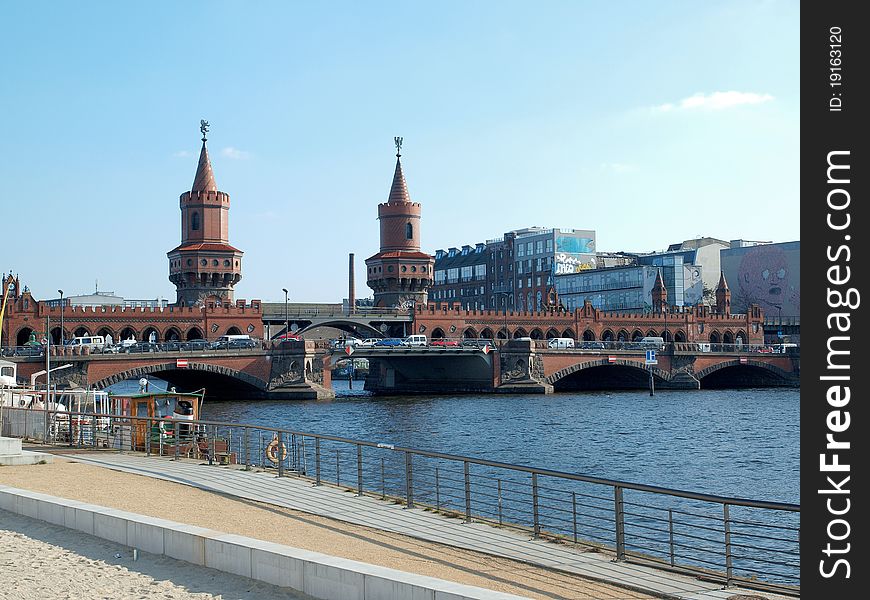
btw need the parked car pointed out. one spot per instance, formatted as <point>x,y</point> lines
<point>444,343</point>
<point>341,343</point>
<point>142,347</point>
<point>388,342</point>
<point>196,345</point>
<point>171,346</point>
<point>240,344</point>
<point>419,341</point>
<point>592,345</point>
<point>368,342</point>
<point>560,343</point>
<point>111,348</point>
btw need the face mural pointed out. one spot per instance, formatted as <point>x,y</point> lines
<point>768,278</point>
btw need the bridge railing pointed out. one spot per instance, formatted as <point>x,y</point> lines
<point>365,313</point>
<point>754,543</point>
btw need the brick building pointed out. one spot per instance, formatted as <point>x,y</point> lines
<point>400,273</point>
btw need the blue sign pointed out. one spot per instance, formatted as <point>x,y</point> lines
<point>651,357</point>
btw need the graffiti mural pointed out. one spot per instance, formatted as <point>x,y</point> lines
<point>767,275</point>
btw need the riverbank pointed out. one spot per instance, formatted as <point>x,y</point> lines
<point>193,506</point>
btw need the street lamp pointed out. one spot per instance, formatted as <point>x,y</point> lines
<point>505,295</point>
<point>61,317</point>
<point>286,314</point>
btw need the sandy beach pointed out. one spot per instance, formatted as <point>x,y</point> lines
<point>185,504</point>
<point>40,560</point>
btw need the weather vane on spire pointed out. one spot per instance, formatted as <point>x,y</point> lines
<point>203,127</point>
<point>398,142</point>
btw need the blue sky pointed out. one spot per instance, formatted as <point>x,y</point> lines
<point>650,122</point>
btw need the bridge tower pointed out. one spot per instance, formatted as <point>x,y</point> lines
<point>659,293</point>
<point>400,274</point>
<point>204,267</point>
<point>723,296</point>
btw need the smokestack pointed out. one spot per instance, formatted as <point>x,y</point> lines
<point>351,291</point>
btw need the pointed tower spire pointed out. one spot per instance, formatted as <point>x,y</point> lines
<point>204,180</point>
<point>659,293</point>
<point>399,189</point>
<point>723,296</point>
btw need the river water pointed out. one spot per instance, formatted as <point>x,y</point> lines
<point>742,442</point>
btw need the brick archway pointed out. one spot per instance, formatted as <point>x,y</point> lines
<point>603,362</point>
<point>749,363</point>
<point>138,372</point>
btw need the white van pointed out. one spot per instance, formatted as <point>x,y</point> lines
<point>653,343</point>
<point>415,340</point>
<point>227,338</point>
<point>94,342</point>
<point>560,343</point>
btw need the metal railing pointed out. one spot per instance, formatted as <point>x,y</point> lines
<point>730,540</point>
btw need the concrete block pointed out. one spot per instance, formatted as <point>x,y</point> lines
<point>186,543</point>
<point>229,553</point>
<point>27,506</point>
<point>10,446</point>
<point>84,520</point>
<point>51,512</point>
<point>109,526</point>
<point>390,588</point>
<point>7,500</point>
<point>323,580</point>
<point>145,534</point>
<point>277,564</point>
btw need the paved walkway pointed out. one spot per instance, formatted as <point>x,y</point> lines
<point>331,502</point>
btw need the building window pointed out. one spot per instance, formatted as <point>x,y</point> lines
<point>409,231</point>
<point>549,245</point>
<point>539,246</point>
<point>194,221</point>
<point>521,250</point>
<point>520,283</point>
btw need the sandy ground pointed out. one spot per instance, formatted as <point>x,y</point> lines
<point>185,504</point>
<point>39,560</point>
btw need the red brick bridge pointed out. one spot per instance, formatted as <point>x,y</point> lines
<point>299,370</point>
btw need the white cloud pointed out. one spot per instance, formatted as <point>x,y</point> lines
<point>714,101</point>
<point>182,154</point>
<point>617,167</point>
<point>235,153</point>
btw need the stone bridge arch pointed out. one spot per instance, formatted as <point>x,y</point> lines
<point>770,369</point>
<point>604,362</point>
<point>347,325</point>
<point>138,372</point>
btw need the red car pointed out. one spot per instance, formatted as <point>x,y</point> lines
<point>442,343</point>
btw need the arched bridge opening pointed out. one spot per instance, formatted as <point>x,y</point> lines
<point>353,328</point>
<point>220,383</point>
<point>604,375</point>
<point>735,374</point>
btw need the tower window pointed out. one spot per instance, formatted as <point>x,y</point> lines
<point>194,221</point>
<point>409,231</point>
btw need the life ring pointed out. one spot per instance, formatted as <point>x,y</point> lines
<point>272,451</point>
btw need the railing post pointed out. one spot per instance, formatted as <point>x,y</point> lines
<point>337,467</point>
<point>279,453</point>
<point>437,492</point>
<point>409,481</point>
<point>176,448</point>
<point>619,513</point>
<point>467,472</point>
<point>671,533</point>
<point>500,515</point>
<point>246,450</point>
<point>383,480</point>
<point>94,432</point>
<point>317,461</point>
<point>359,470</point>
<point>148,439</point>
<point>729,569</point>
<point>535,515</point>
<point>574,513</point>
<point>210,433</point>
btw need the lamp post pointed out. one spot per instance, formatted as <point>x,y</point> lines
<point>505,295</point>
<point>286,314</point>
<point>61,317</point>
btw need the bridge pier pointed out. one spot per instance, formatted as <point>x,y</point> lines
<point>520,369</point>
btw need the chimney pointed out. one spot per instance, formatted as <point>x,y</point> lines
<point>351,292</point>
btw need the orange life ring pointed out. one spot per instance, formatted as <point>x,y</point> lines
<point>272,451</point>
